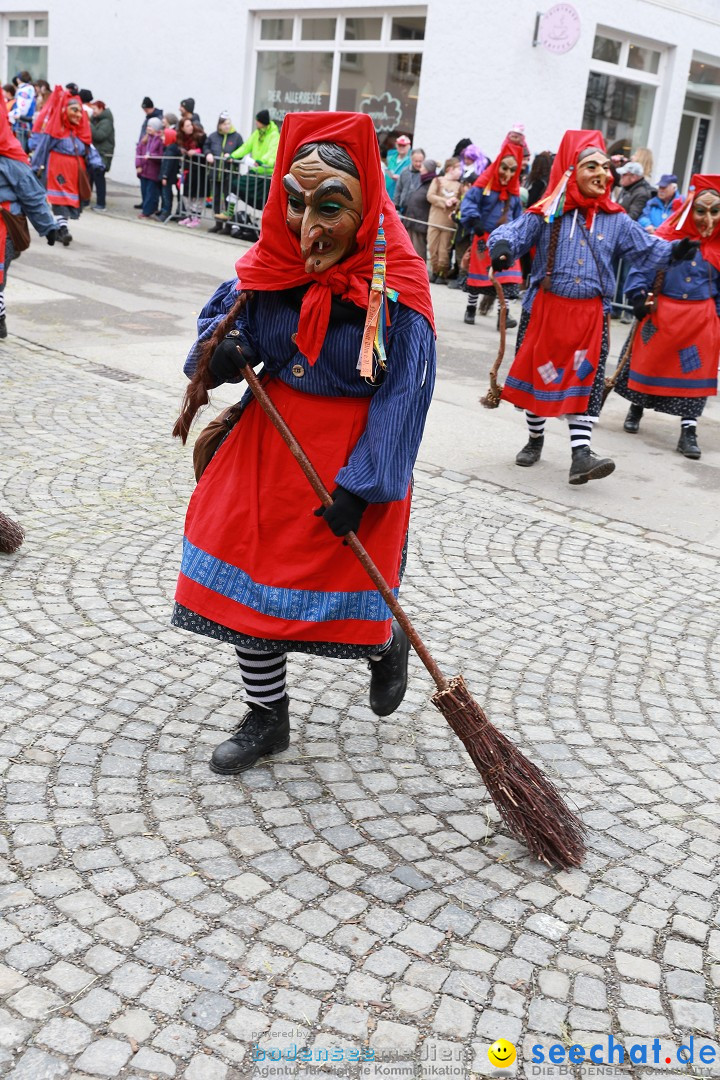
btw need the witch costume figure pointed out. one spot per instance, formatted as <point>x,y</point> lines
<point>62,152</point>
<point>563,341</point>
<point>335,305</point>
<point>673,363</point>
<point>493,200</point>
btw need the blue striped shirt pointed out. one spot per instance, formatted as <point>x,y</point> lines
<point>380,466</point>
<point>581,271</point>
<point>693,279</point>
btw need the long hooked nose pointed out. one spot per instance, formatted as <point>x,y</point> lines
<point>311,231</point>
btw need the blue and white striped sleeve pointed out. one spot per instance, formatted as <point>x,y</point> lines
<point>213,312</point>
<point>381,464</point>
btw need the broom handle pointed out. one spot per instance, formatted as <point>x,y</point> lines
<point>351,539</point>
<point>625,356</point>
<point>502,319</point>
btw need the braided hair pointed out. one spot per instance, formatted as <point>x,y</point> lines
<point>196,394</point>
<point>552,251</point>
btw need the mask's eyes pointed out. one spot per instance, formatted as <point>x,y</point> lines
<point>296,204</point>
<point>329,209</point>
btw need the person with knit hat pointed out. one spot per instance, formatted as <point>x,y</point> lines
<point>673,364</point>
<point>219,145</point>
<point>62,153</point>
<point>562,344</point>
<point>187,111</point>
<point>493,199</point>
<point>20,193</point>
<point>259,152</point>
<point>148,162</point>
<point>335,304</point>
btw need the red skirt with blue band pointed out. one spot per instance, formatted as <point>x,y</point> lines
<point>676,350</point>
<point>479,269</point>
<point>249,566</point>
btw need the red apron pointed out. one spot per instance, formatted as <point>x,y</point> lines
<point>479,269</point>
<point>676,350</point>
<point>257,560</point>
<point>62,179</point>
<point>554,368</point>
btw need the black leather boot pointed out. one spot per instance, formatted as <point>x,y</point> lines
<point>265,729</point>
<point>3,327</point>
<point>388,675</point>
<point>64,235</point>
<point>633,418</point>
<point>510,323</point>
<point>688,444</point>
<point>530,452</point>
<point>470,315</point>
<point>586,466</point>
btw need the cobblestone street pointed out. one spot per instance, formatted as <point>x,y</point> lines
<point>355,893</point>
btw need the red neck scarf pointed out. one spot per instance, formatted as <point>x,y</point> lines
<point>562,189</point>
<point>9,145</point>
<point>275,262</point>
<point>489,179</point>
<point>682,223</point>
<point>56,123</point>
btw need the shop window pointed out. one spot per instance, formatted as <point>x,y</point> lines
<point>408,28</point>
<point>384,85</point>
<point>276,29</point>
<point>640,59</point>
<point>293,82</point>
<point>704,74</point>
<point>606,49</point>
<point>26,46</point>
<point>360,29</point>
<point>622,110</point>
<point>318,29</point>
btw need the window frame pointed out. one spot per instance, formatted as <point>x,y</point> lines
<point>31,40</point>
<point>620,70</point>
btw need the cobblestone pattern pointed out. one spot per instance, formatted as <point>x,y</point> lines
<point>157,921</point>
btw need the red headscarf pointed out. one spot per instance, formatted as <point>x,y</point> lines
<point>56,123</point>
<point>682,223</point>
<point>562,175</point>
<point>9,145</point>
<point>275,261</point>
<point>489,179</point>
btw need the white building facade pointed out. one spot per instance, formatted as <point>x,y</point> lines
<point>646,72</point>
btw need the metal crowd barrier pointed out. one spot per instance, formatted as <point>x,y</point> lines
<point>225,193</point>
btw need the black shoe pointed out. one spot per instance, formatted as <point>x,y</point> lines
<point>510,323</point>
<point>137,206</point>
<point>586,466</point>
<point>388,678</point>
<point>486,303</point>
<point>531,452</point>
<point>432,278</point>
<point>687,446</point>
<point>264,730</point>
<point>469,316</point>
<point>217,227</point>
<point>64,236</point>
<point>633,418</point>
<point>3,328</point>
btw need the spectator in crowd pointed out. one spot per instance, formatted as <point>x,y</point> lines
<point>644,157</point>
<point>42,94</point>
<point>73,88</point>
<point>102,126</point>
<point>444,198</point>
<point>396,160</point>
<point>538,177</point>
<point>170,165</point>
<point>63,151</point>
<point>461,145</point>
<point>24,106</point>
<point>86,97</point>
<point>261,151</point>
<point>148,158</point>
<point>635,192</point>
<point>219,145</point>
<point>661,206</point>
<point>462,241</point>
<point>473,161</point>
<point>187,110</point>
<point>9,95</point>
<point>148,107</point>
<point>418,209</point>
<point>190,142</point>
<point>22,193</point>
<point>409,180</point>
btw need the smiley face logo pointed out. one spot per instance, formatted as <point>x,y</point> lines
<point>501,1054</point>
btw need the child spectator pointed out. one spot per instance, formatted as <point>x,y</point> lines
<point>444,198</point>
<point>148,157</point>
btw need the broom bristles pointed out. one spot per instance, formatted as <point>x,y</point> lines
<point>11,535</point>
<point>529,804</point>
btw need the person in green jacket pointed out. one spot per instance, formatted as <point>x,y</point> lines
<point>262,147</point>
<point>102,126</point>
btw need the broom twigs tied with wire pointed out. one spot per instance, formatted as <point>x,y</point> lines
<point>11,535</point>
<point>528,802</point>
<point>491,400</point>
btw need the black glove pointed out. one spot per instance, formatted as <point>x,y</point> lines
<point>500,253</point>
<point>51,237</point>
<point>345,513</point>
<point>638,302</point>
<point>228,360</point>
<point>684,249</point>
